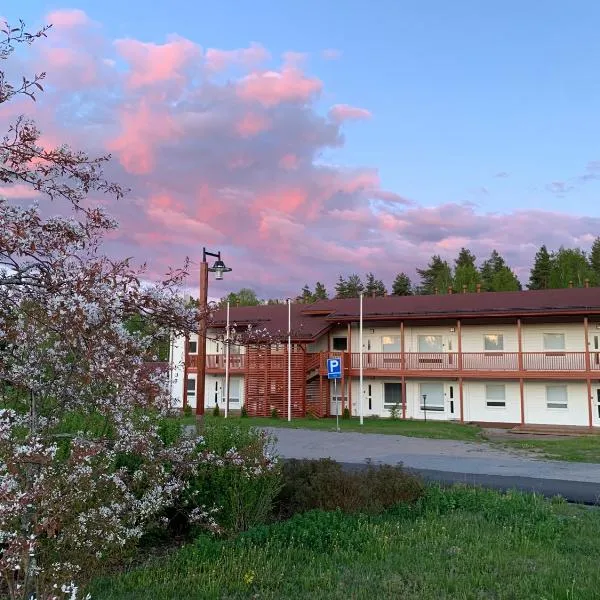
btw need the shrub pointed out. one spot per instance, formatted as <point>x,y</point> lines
<point>187,411</point>
<point>243,487</point>
<point>395,412</point>
<point>216,412</point>
<point>244,413</point>
<point>346,413</point>
<point>274,414</point>
<point>323,484</point>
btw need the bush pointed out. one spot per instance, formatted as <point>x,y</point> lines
<point>187,411</point>
<point>323,484</point>
<point>395,411</point>
<point>216,412</point>
<point>274,414</point>
<point>244,413</point>
<point>245,487</point>
<point>346,413</point>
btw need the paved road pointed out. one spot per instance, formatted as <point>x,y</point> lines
<point>448,461</point>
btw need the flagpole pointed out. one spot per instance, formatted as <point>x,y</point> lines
<point>360,368</point>
<point>227,363</point>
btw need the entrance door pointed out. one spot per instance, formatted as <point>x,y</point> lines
<point>432,400</point>
<point>372,348</point>
<point>597,419</point>
<point>595,351</point>
<point>452,400</point>
<point>214,392</point>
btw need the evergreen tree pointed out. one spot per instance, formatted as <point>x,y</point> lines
<point>504,280</point>
<point>437,275</point>
<point>466,274</point>
<point>245,297</point>
<point>494,264</point>
<point>374,286</point>
<point>354,286</point>
<point>595,262</point>
<point>320,292</point>
<point>402,285</point>
<point>341,288</point>
<point>539,277</point>
<point>465,258</point>
<point>569,265</point>
<point>306,297</point>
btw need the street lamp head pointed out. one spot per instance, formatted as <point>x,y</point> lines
<point>219,268</point>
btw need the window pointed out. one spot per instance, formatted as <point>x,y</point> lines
<point>390,343</point>
<point>554,341</point>
<point>432,397</point>
<point>340,343</point>
<point>556,396</point>
<point>495,395</point>
<point>234,348</point>
<point>493,342</point>
<point>430,343</point>
<point>392,394</point>
<point>234,390</point>
<point>193,347</point>
<point>191,387</point>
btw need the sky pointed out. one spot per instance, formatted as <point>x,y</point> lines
<point>310,139</point>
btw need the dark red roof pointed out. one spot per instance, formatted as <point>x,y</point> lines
<point>309,321</point>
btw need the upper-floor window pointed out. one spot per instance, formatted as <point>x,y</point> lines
<point>390,343</point>
<point>493,342</point>
<point>340,343</point>
<point>191,387</point>
<point>554,341</point>
<point>193,347</point>
<point>430,343</point>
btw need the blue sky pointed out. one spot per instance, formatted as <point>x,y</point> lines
<point>459,91</point>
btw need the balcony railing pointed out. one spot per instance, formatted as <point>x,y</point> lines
<point>216,362</point>
<point>471,361</point>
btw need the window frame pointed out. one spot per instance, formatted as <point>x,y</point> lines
<point>397,344</point>
<point>500,336</point>
<point>339,337</point>
<point>428,335</point>
<point>387,405</point>
<point>558,405</point>
<point>190,392</point>
<point>554,333</point>
<point>190,342</point>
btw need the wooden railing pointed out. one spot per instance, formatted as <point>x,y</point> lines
<point>471,361</point>
<point>216,362</point>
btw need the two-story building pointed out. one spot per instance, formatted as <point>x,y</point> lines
<point>505,357</point>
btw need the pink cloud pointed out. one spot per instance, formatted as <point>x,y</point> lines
<point>18,191</point>
<point>288,161</point>
<point>68,18</point>
<point>219,60</point>
<point>345,112</point>
<point>157,63</point>
<point>274,87</point>
<point>251,124</point>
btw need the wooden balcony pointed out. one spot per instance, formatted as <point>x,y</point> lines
<point>469,364</point>
<point>215,363</point>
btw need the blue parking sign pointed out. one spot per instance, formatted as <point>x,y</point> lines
<point>334,368</point>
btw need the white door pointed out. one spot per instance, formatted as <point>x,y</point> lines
<point>595,351</point>
<point>452,400</point>
<point>596,402</point>
<point>371,346</point>
<point>214,392</point>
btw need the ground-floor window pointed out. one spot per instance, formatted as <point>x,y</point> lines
<point>432,396</point>
<point>392,394</point>
<point>556,396</point>
<point>234,390</point>
<point>191,388</point>
<point>495,395</point>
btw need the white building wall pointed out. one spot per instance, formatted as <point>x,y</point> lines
<point>537,412</point>
<point>473,337</point>
<point>533,336</point>
<point>177,360</point>
<point>475,402</point>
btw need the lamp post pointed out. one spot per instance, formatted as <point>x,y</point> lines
<point>289,360</point>
<point>218,268</point>
<point>425,406</point>
<point>360,358</point>
<point>227,342</point>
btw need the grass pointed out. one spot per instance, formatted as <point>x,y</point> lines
<point>452,544</point>
<point>572,449</point>
<point>441,430</point>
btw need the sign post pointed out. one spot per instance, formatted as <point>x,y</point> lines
<point>334,371</point>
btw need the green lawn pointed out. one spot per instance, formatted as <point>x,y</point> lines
<point>454,544</point>
<point>574,449</point>
<point>431,429</point>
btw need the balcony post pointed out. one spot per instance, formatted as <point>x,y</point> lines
<point>402,364</point>
<point>460,368</point>
<point>186,354</point>
<point>588,368</point>
<point>520,364</point>
<point>350,367</point>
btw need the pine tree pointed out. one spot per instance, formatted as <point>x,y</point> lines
<point>354,286</point>
<point>595,261</point>
<point>465,258</point>
<point>374,286</point>
<point>437,275</point>
<point>539,277</point>
<point>306,297</point>
<point>489,268</point>
<point>466,274</point>
<point>320,292</point>
<point>341,288</point>
<point>402,285</point>
<point>504,280</point>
